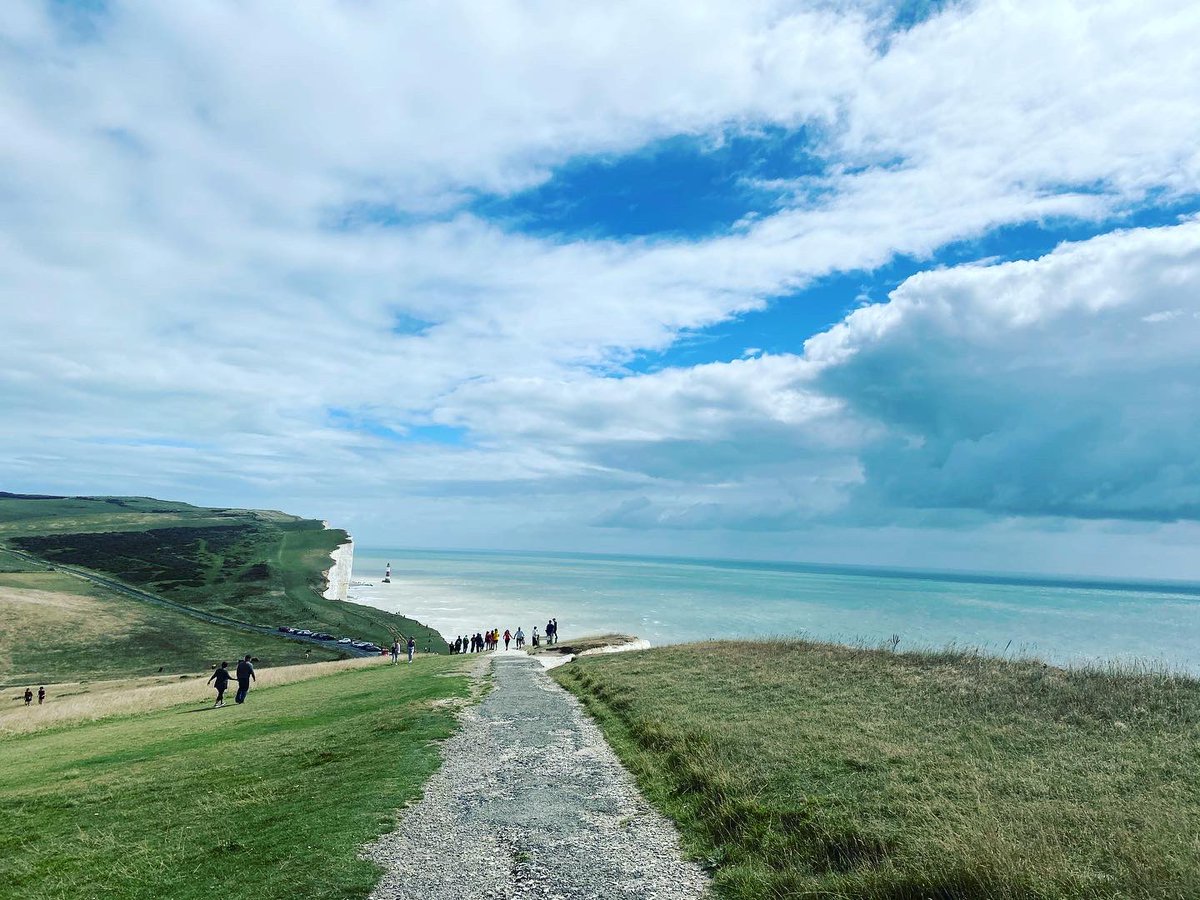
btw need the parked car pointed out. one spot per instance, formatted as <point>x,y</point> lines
<point>304,632</point>
<point>371,648</point>
<point>323,636</point>
<point>285,629</point>
<point>345,641</point>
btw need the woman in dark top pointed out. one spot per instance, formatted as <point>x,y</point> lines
<point>221,678</point>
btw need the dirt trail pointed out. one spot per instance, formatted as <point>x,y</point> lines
<point>532,803</point>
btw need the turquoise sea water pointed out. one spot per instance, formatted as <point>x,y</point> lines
<point>672,600</point>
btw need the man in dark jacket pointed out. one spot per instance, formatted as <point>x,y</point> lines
<point>245,674</point>
<point>221,677</point>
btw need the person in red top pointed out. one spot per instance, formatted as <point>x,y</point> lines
<point>507,638</point>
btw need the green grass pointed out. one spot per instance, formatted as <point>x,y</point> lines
<point>80,631</point>
<point>273,799</point>
<point>799,769</point>
<point>256,566</point>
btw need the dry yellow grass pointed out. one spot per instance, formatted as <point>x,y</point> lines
<point>32,609</point>
<point>71,703</point>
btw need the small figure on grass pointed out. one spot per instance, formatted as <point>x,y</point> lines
<point>395,651</point>
<point>41,695</point>
<point>220,680</point>
<point>28,696</point>
<point>412,647</point>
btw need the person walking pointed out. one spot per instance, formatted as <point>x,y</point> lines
<point>520,637</point>
<point>412,647</point>
<point>554,622</point>
<point>41,695</point>
<point>245,674</point>
<point>395,651</point>
<point>220,680</point>
<point>535,637</point>
<point>507,638</point>
<point>28,696</point>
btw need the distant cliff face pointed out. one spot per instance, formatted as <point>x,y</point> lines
<point>337,579</point>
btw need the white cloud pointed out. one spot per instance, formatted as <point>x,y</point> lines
<point>169,276</point>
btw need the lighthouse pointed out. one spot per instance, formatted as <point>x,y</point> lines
<point>387,574</point>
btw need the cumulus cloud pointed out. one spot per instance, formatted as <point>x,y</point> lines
<point>1041,388</point>
<point>1033,388</point>
<point>224,223</point>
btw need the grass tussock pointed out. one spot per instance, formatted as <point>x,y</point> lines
<point>804,769</point>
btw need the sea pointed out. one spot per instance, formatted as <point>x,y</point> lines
<point>665,601</point>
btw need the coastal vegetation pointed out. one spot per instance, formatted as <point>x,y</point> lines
<point>273,799</point>
<point>806,769</point>
<point>58,628</point>
<point>213,570</point>
<point>581,644</point>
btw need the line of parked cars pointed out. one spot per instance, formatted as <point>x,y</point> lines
<point>325,636</point>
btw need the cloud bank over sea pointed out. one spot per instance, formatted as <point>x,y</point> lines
<point>911,283</point>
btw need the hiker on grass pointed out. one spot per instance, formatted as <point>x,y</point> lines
<point>28,696</point>
<point>395,651</point>
<point>412,647</point>
<point>41,695</point>
<point>535,637</point>
<point>220,679</point>
<point>245,674</point>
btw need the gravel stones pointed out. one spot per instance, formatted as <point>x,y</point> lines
<point>531,802</point>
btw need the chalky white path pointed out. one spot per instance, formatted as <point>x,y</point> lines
<point>531,802</point>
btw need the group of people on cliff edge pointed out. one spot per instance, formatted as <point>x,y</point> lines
<point>490,640</point>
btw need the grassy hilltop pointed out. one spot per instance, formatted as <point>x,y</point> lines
<point>219,566</point>
<point>800,769</point>
<point>272,799</point>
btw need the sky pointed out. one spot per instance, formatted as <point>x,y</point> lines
<point>907,283</point>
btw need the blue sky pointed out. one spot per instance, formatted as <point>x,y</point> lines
<point>883,283</point>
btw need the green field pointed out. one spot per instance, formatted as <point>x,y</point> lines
<point>57,628</point>
<point>273,799</point>
<point>258,567</point>
<point>799,769</point>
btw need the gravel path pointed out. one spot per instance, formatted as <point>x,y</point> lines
<point>531,802</point>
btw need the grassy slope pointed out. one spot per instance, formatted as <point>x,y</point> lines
<point>55,628</point>
<point>256,566</point>
<point>272,799</point>
<point>801,769</point>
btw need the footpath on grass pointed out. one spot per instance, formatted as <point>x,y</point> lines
<point>530,802</point>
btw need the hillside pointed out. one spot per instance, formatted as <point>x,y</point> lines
<point>803,769</point>
<point>172,585</point>
<point>272,799</point>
